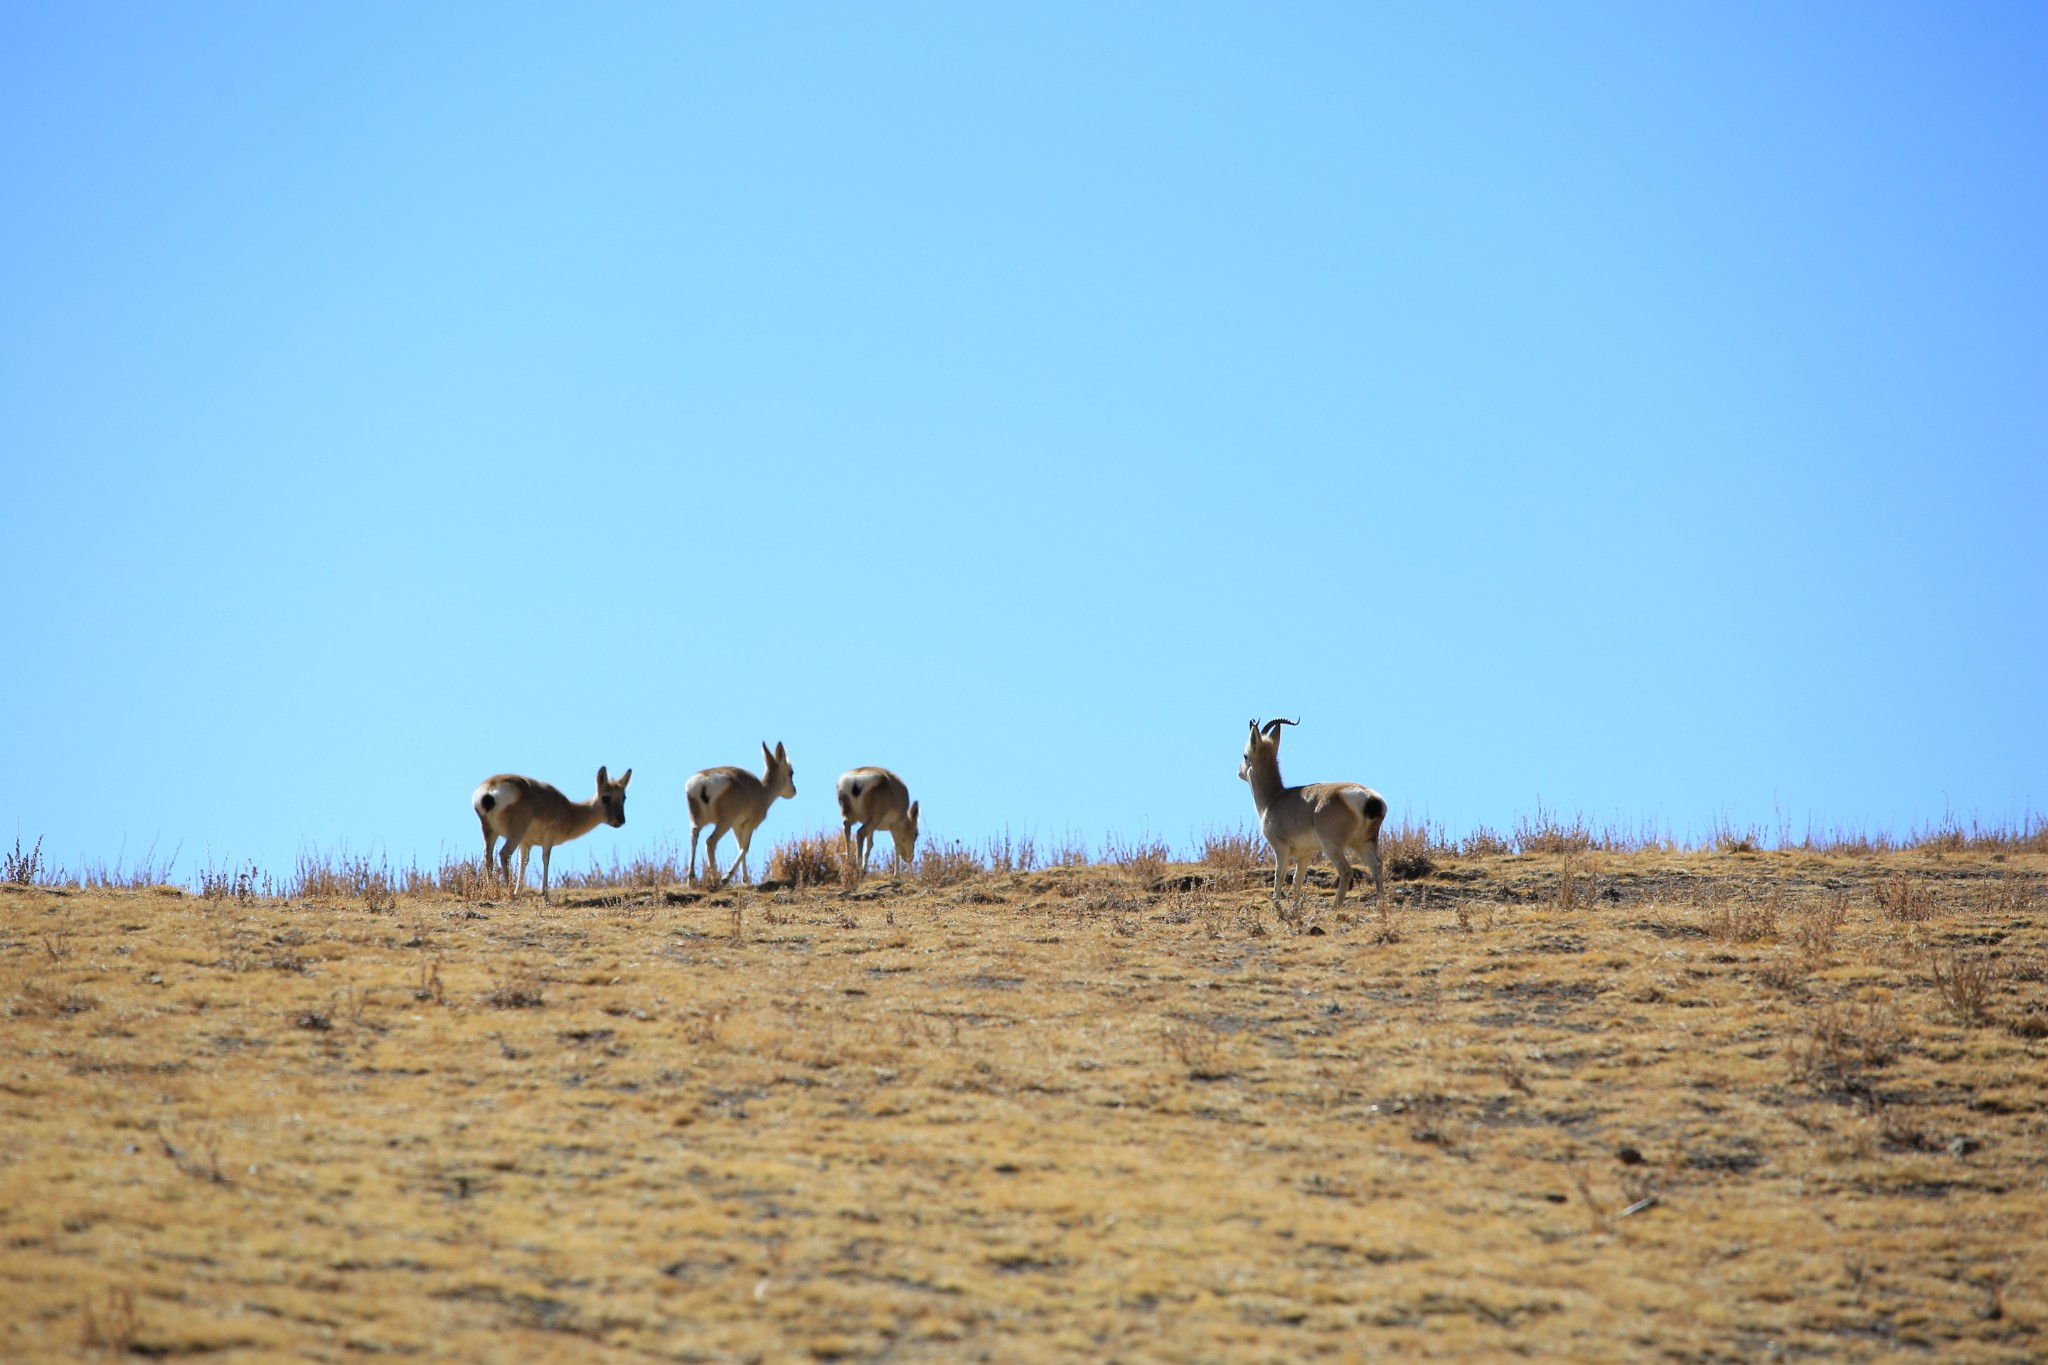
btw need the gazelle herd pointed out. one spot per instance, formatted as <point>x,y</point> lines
<point>1328,818</point>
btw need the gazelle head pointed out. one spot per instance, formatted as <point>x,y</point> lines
<point>906,847</point>
<point>780,778</point>
<point>611,797</point>
<point>1263,745</point>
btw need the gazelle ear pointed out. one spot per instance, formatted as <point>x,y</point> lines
<point>625,777</point>
<point>778,750</point>
<point>913,812</point>
<point>767,753</point>
<point>600,777</point>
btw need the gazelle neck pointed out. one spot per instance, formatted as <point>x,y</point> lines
<point>1266,783</point>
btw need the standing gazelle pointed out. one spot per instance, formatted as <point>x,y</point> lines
<point>1297,821</point>
<point>875,798</point>
<point>734,799</point>
<point>530,814</point>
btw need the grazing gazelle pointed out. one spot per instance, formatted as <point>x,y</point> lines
<point>875,798</point>
<point>734,799</point>
<point>1297,821</point>
<point>530,814</point>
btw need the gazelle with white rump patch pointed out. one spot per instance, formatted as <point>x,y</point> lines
<point>877,799</point>
<point>528,814</point>
<point>1333,817</point>
<point>734,799</point>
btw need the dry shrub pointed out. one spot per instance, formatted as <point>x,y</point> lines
<point>112,1325</point>
<point>946,863</point>
<point>707,1024</point>
<point>1902,898</point>
<point>1384,930</point>
<point>1197,1046</point>
<point>1728,839</point>
<point>812,860</point>
<point>34,999</point>
<point>1839,1043</point>
<point>1966,984</point>
<point>640,872</point>
<point>1567,886</point>
<point>1146,859</point>
<point>1745,922</point>
<point>1407,848</point>
<point>1781,971</point>
<point>1816,932</point>
<point>1234,853</point>
<point>466,879</point>
<point>1483,842</point>
<point>24,869</point>
<point>101,875</point>
<point>1546,833</point>
<point>2014,892</point>
<point>244,886</point>
<point>521,988</point>
<point>1072,851</point>
<point>2030,835</point>
<point>1006,854</point>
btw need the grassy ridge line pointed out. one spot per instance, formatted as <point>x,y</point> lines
<point>1577,1105</point>
<point>815,858</point>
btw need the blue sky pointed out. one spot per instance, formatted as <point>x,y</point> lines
<point>1638,409</point>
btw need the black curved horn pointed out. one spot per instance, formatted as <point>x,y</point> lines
<point>1273,726</point>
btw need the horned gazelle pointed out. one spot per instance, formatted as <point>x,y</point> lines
<point>527,814</point>
<point>874,799</point>
<point>1298,821</point>
<point>734,799</point>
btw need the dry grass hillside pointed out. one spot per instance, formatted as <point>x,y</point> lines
<point>1621,1105</point>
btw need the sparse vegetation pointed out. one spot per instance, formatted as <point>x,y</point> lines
<point>1038,1109</point>
<point>24,869</point>
<point>811,860</point>
<point>1966,983</point>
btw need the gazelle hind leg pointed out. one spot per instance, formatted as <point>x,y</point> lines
<point>711,855</point>
<point>1335,853</point>
<point>1371,854</point>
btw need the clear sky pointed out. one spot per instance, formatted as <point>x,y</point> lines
<point>1640,409</point>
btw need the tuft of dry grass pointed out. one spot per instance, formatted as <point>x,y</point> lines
<point>1967,983</point>
<point>24,869</point>
<point>1483,842</point>
<point>1547,832</point>
<point>942,863</point>
<point>1233,854</point>
<point>1007,854</point>
<point>1744,919</point>
<point>1146,860</point>
<point>1410,851</point>
<point>1902,897</point>
<point>641,871</point>
<point>817,859</point>
<point>1839,1044</point>
<point>521,986</point>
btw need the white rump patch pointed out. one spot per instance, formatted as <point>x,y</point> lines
<point>864,778</point>
<point>505,792</point>
<point>708,789</point>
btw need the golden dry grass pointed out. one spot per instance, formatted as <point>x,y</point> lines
<point>1650,1105</point>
